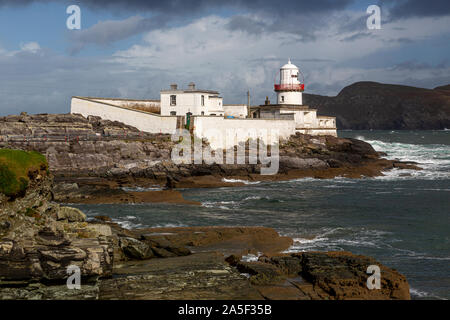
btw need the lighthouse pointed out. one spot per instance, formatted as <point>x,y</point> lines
<point>290,87</point>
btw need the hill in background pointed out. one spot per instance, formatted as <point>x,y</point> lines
<point>372,105</point>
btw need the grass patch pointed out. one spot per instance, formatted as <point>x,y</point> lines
<point>16,167</point>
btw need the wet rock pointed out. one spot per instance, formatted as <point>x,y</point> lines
<point>233,259</point>
<point>135,249</point>
<point>71,214</point>
<point>260,273</point>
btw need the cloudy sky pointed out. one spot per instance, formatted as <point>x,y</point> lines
<point>133,48</point>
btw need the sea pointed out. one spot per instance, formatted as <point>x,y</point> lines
<point>401,219</point>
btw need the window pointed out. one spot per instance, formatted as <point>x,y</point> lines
<point>203,100</point>
<point>203,113</point>
<point>173,100</point>
<point>282,98</point>
<point>173,113</point>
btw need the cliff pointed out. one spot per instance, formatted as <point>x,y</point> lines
<point>39,238</point>
<point>372,105</point>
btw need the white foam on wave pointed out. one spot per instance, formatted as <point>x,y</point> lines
<point>219,204</point>
<point>240,181</point>
<point>251,257</point>
<point>141,189</point>
<point>433,158</point>
<point>168,225</point>
<point>253,198</point>
<point>127,224</point>
<point>415,293</point>
<point>337,238</point>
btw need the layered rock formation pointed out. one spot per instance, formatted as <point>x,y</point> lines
<point>371,105</point>
<point>91,157</point>
<point>40,239</point>
<point>322,275</point>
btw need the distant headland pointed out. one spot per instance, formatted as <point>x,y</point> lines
<point>378,106</point>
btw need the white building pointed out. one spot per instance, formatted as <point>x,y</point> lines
<point>206,115</point>
<point>190,102</point>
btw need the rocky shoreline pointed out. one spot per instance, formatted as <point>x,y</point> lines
<point>95,161</point>
<point>39,239</point>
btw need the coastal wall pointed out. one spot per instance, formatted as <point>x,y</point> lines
<point>218,130</point>
<point>144,121</point>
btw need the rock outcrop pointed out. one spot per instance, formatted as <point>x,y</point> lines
<point>93,158</point>
<point>322,275</point>
<point>372,105</point>
<point>39,239</point>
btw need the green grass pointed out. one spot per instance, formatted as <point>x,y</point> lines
<point>15,169</point>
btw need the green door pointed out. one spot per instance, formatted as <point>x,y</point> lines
<point>188,120</point>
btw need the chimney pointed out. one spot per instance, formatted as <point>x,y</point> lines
<point>267,102</point>
<point>191,86</point>
<point>173,86</point>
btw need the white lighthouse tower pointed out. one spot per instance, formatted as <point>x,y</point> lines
<point>289,89</point>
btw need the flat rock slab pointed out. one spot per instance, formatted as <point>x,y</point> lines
<point>228,240</point>
<point>198,276</point>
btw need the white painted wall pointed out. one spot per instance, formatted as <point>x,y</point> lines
<point>290,97</point>
<point>144,121</point>
<point>326,122</point>
<point>214,129</point>
<point>319,132</point>
<point>235,110</point>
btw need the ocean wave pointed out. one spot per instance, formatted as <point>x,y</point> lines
<point>141,189</point>
<point>240,181</point>
<point>339,238</point>
<point>433,158</point>
<point>251,257</point>
<point>126,224</point>
<point>169,225</point>
<point>415,293</point>
<point>219,204</point>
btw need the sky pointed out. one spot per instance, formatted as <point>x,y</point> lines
<point>133,49</point>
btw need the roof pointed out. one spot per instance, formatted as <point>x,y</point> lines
<point>190,91</point>
<point>289,65</point>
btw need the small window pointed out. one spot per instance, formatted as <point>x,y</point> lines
<point>203,100</point>
<point>282,98</point>
<point>203,113</point>
<point>173,113</point>
<point>173,100</point>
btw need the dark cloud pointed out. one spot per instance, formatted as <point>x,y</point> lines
<point>188,6</point>
<point>358,36</point>
<point>108,32</point>
<point>248,24</point>
<point>400,9</point>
